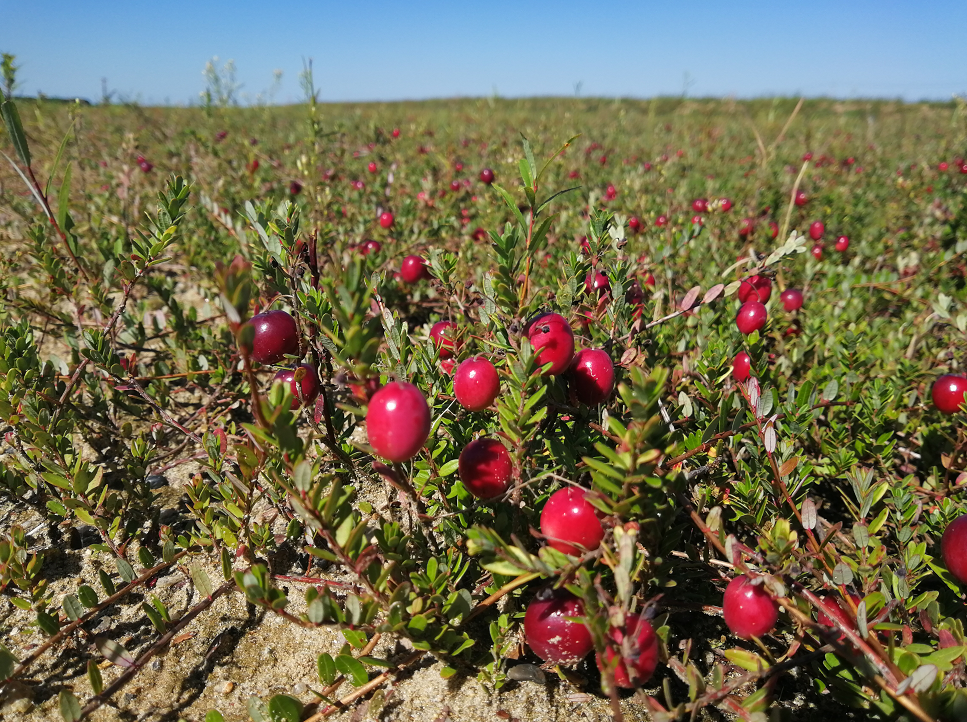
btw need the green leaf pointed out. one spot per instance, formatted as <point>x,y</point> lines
<point>214,715</point>
<point>257,710</point>
<point>450,467</point>
<point>49,624</point>
<point>747,660</point>
<point>7,662</point>
<point>114,652</point>
<point>70,706</point>
<point>94,676</point>
<point>352,668</point>
<point>72,607</point>
<point>283,708</point>
<point>201,581</point>
<point>11,119</point>
<point>125,570</point>
<point>56,164</point>
<point>327,669</point>
<point>87,596</point>
<point>63,198</point>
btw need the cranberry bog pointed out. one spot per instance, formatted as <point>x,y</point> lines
<point>483,409</point>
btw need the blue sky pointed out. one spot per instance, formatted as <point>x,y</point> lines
<point>154,52</point>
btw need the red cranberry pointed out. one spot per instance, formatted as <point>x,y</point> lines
<point>548,631</point>
<point>597,281</point>
<point>592,376</point>
<point>751,317</point>
<point>755,288</point>
<point>837,608</point>
<point>454,185</point>
<point>442,334</point>
<point>295,188</point>
<point>791,299</point>
<point>570,523</point>
<point>698,220</point>
<point>371,167</point>
<point>485,468</point>
<point>661,221</point>
<point>942,166</point>
<point>773,229</point>
<point>145,166</point>
<point>611,193</point>
<point>643,652</point>
<point>807,157</point>
<point>816,230</point>
<point>741,366</point>
<point>948,393</point>
<point>700,205</point>
<point>801,198</point>
<point>308,386</point>
<point>725,204</point>
<point>746,226</point>
<point>398,421</point>
<point>370,246</point>
<point>553,341</point>
<point>487,176</point>
<point>386,219</point>
<point>476,384</point>
<point>842,243</point>
<point>396,132</point>
<point>634,225</point>
<point>275,338</point>
<point>953,548</point>
<point>817,251</point>
<point>650,280</point>
<point>413,269</point>
<point>749,611</point>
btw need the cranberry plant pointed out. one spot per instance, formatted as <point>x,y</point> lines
<point>554,439</point>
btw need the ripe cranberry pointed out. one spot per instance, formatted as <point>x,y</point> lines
<point>751,317</point>
<point>611,193</point>
<point>295,188</point>
<point>597,281</point>
<point>942,166</point>
<point>603,160</point>
<point>700,205</point>
<point>842,243</point>
<point>398,421</point>
<point>222,439</point>
<point>386,219</point>
<point>442,336</point>
<point>816,230</point>
<point>553,341</point>
<point>145,166</point>
<point>485,468</point>
<point>308,386</point>
<point>276,337</point>
<point>791,299</point>
<point>661,221</point>
<point>574,174</point>
<point>548,631</point>
<point>749,611</point>
<point>413,269</point>
<point>725,204</point>
<point>807,157</point>
<point>773,229</point>
<point>396,132</point>
<point>948,393</point>
<point>741,366</point>
<point>647,166</point>
<point>476,384</point>
<point>953,548</point>
<point>454,185</point>
<point>252,165</point>
<point>592,376</point>
<point>643,657</point>
<point>755,288</point>
<point>963,168</point>
<point>650,280</point>
<point>369,246</point>
<point>698,220</point>
<point>570,523</point>
<point>487,176</point>
<point>817,251</point>
<point>372,167</point>
<point>801,198</point>
<point>634,225</point>
<point>746,226</point>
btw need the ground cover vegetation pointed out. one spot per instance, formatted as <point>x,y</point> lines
<point>660,402</point>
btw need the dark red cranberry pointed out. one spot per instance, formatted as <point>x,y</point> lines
<point>817,252</point>
<point>741,366</point>
<point>751,317</point>
<point>801,198</point>
<point>634,225</point>
<point>791,299</point>
<point>442,334</point>
<point>948,393</point>
<point>816,230</point>
<point>485,468</point>
<point>755,288</point>
<point>592,376</point>
<point>413,269</point>
<point>295,188</point>
<point>476,384</point>
<point>386,219</point>
<point>636,648</point>
<point>570,523</point>
<point>487,176</point>
<point>596,281</point>
<point>307,388</point>
<point>842,243</point>
<point>953,548</point>
<point>700,205</point>
<point>553,341</point>
<point>548,631</point>
<point>748,609</point>
<point>398,421</point>
<point>370,246</point>
<point>276,337</point>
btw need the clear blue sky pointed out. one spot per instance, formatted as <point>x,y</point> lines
<point>155,51</point>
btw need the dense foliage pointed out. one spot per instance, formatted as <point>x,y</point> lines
<point>806,459</point>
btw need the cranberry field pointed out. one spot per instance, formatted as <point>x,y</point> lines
<point>484,409</point>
